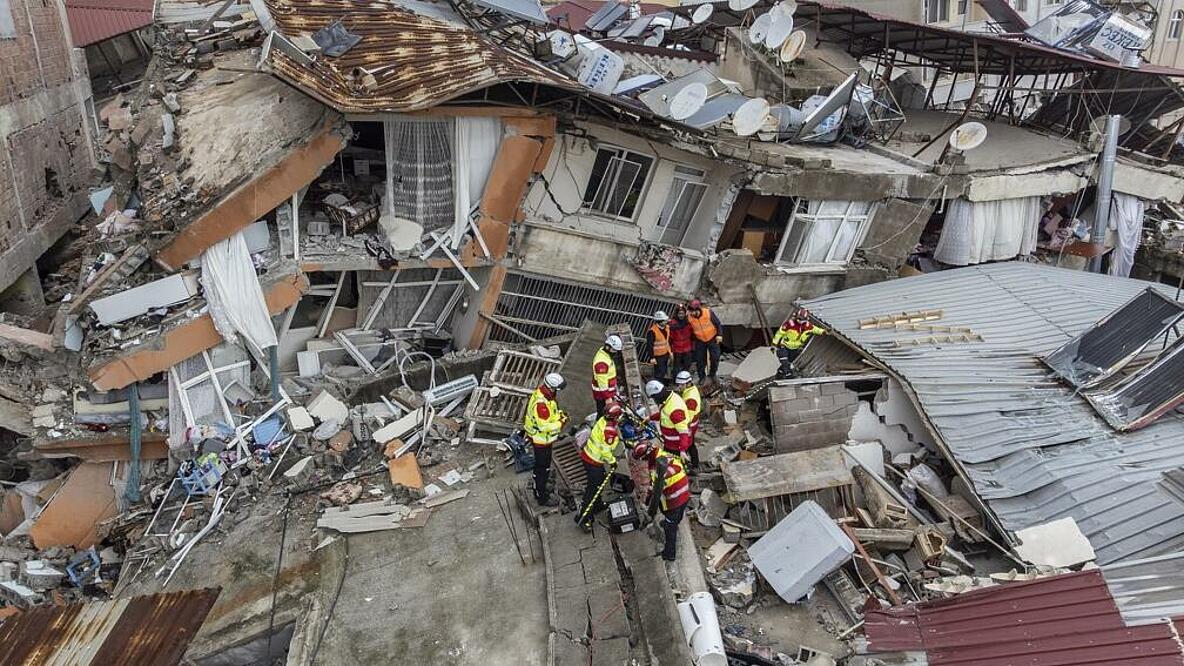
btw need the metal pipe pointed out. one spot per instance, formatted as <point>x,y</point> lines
<point>132,493</point>
<point>273,362</point>
<point>1105,191</point>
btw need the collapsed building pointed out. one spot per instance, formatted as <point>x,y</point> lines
<point>318,212</point>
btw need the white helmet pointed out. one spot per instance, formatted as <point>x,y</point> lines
<point>653,387</point>
<point>614,343</point>
<point>555,380</point>
<point>661,315</point>
<point>683,377</point>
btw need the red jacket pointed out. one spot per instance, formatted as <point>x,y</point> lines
<point>681,336</point>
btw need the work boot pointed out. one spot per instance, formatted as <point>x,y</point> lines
<point>546,500</point>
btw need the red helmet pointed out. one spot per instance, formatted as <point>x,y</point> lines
<point>613,411</point>
<point>641,451</point>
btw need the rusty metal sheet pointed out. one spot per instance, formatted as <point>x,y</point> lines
<point>147,630</point>
<point>417,62</point>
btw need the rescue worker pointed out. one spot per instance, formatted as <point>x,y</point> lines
<point>682,340</point>
<point>673,420</point>
<point>543,423</point>
<point>670,489</point>
<point>708,334</point>
<point>689,393</point>
<point>657,342</point>
<point>604,372</point>
<point>793,335</point>
<point>600,460</point>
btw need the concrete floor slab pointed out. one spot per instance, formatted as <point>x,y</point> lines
<point>612,652</point>
<point>606,608</point>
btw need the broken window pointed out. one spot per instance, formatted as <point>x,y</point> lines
<point>682,202</point>
<point>824,232</point>
<point>1139,399</point>
<point>617,180</point>
<point>7,26</point>
<point>419,154</point>
<point>937,10</point>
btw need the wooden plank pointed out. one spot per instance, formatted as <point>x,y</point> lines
<point>404,471</point>
<point>444,498</point>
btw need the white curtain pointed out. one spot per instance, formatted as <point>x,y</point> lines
<point>419,171</point>
<point>1126,216</point>
<point>474,148</point>
<point>978,231</point>
<point>235,298</point>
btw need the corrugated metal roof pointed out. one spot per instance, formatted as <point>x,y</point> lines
<point>1067,620</point>
<point>1148,590</point>
<point>418,61</point>
<point>148,630</point>
<point>92,21</point>
<point>1033,449</point>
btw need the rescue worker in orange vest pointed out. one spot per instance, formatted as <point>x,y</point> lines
<point>543,422</point>
<point>604,372</point>
<point>670,489</point>
<point>657,342</point>
<point>673,420</point>
<point>793,335</point>
<point>694,401</point>
<point>707,332</point>
<point>599,455</point>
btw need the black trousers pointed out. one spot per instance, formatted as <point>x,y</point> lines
<point>662,368</point>
<point>684,361</point>
<point>596,475</point>
<point>693,454</point>
<point>600,403</point>
<point>670,521</point>
<point>542,471</point>
<point>707,358</point>
<point>787,357</point>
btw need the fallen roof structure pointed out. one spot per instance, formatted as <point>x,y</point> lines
<point>1033,449</point>
<point>1065,620</point>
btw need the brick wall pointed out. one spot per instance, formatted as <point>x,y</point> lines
<point>811,416</point>
<point>28,64</point>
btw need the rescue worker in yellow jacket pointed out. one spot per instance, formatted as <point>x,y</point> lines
<point>604,372</point>
<point>543,423</point>
<point>670,489</point>
<point>674,422</point>
<point>691,397</point>
<point>599,456</point>
<point>793,335</point>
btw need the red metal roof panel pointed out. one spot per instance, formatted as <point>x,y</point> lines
<point>1068,620</point>
<point>92,21</point>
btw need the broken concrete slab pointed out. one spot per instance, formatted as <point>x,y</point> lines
<point>299,419</point>
<point>325,407</point>
<point>401,427</point>
<point>140,300</point>
<point>40,575</point>
<point>26,337</point>
<point>760,365</point>
<point>71,516</point>
<point>299,472</point>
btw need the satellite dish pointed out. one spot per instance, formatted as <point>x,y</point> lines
<point>702,13</point>
<point>793,47</point>
<point>1098,125</point>
<point>655,38</point>
<point>688,101</point>
<point>741,5</point>
<point>760,28</point>
<point>750,117</point>
<point>780,25</point>
<point>968,136</point>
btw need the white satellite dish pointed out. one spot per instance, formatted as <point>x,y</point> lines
<point>793,47</point>
<point>741,5</point>
<point>750,117</point>
<point>702,13</point>
<point>688,101</point>
<point>655,38</point>
<point>968,136</point>
<point>759,28</point>
<point>780,25</point>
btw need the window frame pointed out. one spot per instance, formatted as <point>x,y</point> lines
<point>1020,5</point>
<point>622,154</point>
<point>1175,23</point>
<point>680,181</point>
<point>937,11</point>
<point>7,20</point>
<point>801,205</point>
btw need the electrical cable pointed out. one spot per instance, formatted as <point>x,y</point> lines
<point>279,561</point>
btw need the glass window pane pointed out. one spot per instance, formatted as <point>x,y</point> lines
<point>599,169</point>
<point>625,192</point>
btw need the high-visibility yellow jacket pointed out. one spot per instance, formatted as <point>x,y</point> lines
<point>543,420</point>
<point>792,335</point>
<point>674,423</point>
<point>694,402</point>
<point>604,375</point>
<point>598,450</point>
<point>669,476</point>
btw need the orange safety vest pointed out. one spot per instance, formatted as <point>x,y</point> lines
<point>661,340</point>
<point>676,487</point>
<point>701,326</point>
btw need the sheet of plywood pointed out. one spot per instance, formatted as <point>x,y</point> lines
<point>70,517</point>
